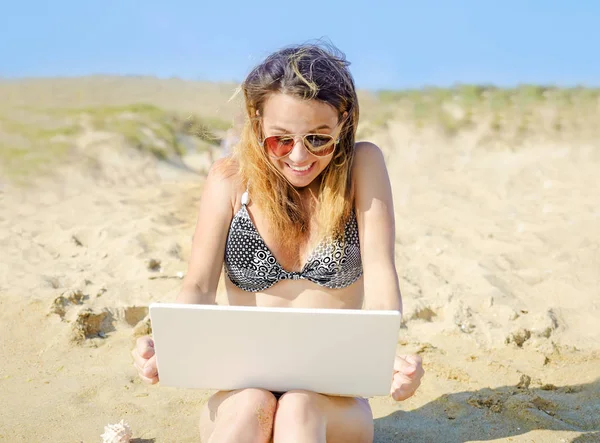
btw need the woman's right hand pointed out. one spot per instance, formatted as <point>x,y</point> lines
<point>144,359</point>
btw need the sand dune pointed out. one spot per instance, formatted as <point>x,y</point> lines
<point>498,253</point>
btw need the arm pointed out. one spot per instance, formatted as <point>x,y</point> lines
<point>208,245</point>
<point>376,227</point>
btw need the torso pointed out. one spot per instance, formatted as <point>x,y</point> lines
<point>291,293</point>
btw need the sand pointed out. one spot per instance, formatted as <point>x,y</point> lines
<point>498,253</point>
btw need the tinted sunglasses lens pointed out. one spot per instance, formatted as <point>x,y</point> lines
<point>278,146</point>
<point>320,144</point>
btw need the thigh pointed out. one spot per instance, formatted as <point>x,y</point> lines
<point>224,407</point>
<point>348,420</point>
<point>344,419</point>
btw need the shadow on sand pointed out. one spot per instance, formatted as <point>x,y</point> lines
<point>490,414</point>
<point>592,437</point>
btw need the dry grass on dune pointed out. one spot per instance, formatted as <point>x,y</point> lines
<point>199,98</point>
<point>506,117</point>
<point>42,119</point>
<point>36,142</point>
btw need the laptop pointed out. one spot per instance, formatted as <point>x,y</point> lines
<point>330,351</point>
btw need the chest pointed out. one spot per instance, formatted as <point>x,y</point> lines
<point>293,256</point>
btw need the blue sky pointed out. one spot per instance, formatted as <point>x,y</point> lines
<point>391,44</point>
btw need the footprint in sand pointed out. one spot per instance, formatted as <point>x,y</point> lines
<point>89,322</point>
<point>67,298</point>
<point>92,324</point>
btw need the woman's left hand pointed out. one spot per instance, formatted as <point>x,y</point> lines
<point>408,371</point>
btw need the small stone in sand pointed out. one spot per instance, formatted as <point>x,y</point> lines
<point>153,264</point>
<point>524,382</point>
<point>519,337</point>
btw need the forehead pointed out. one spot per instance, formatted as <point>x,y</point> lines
<point>297,115</point>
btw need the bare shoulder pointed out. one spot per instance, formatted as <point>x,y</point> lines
<point>370,178</point>
<point>368,160</point>
<point>224,168</point>
<point>223,181</point>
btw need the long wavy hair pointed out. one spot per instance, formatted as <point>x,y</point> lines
<point>309,72</point>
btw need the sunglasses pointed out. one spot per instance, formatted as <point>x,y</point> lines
<point>319,145</point>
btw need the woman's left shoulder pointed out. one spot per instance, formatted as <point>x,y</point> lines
<point>368,158</point>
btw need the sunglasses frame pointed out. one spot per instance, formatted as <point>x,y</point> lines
<point>335,140</point>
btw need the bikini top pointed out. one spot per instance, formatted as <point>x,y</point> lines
<point>250,265</point>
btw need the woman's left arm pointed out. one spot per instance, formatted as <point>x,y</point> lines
<point>376,227</point>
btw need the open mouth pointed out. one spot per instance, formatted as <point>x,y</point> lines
<point>301,170</point>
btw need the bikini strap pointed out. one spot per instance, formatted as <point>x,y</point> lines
<point>245,198</point>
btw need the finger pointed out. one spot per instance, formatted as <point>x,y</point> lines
<point>420,371</point>
<point>398,381</point>
<point>415,360</point>
<point>401,396</point>
<point>150,370</point>
<point>405,391</point>
<point>140,370</point>
<point>401,379</point>
<point>149,380</point>
<point>138,359</point>
<point>145,346</point>
<point>146,379</point>
<point>403,366</point>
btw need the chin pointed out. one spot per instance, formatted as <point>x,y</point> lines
<point>299,183</point>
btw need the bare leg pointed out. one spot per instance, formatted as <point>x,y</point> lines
<point>238,416</point>
<point>309,417</point>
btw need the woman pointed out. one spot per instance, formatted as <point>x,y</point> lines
<point>299,216</point>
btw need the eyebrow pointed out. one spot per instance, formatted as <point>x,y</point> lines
<point>280,129</point>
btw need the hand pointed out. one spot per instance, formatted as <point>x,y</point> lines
<point>408,371</point>
<point>144,359</point>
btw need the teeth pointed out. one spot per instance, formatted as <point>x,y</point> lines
<point>305,168</point>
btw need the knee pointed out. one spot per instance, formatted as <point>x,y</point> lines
<point>258,397</point>
<point>297,407</point>
<point>255,410</point>
<point>259,403</point>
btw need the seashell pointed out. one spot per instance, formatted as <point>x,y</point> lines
<point>117,433</point>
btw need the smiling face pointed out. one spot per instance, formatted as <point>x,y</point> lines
<point>284,114</point>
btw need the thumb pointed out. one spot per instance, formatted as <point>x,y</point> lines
<point>403,365</point>
<point>414,359</point>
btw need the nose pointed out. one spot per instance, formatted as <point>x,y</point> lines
<point>299,153</point>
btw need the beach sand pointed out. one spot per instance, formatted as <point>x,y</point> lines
<point>498,254</point>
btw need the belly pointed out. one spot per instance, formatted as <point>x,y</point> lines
<point>298,294</point>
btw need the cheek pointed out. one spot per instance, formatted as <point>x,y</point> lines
<point>277,164</point>
<point>324,162</point>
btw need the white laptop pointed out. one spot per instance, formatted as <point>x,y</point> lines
<point>330,351</point>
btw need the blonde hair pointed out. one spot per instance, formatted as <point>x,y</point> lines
<point>309,72</point>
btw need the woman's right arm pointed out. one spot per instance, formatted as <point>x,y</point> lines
<point>208,244</point>
<point>208,248</point>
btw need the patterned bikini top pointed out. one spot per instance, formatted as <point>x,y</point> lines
<point>250,265</point>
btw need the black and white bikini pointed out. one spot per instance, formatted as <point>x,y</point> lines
<point>250,265</point>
